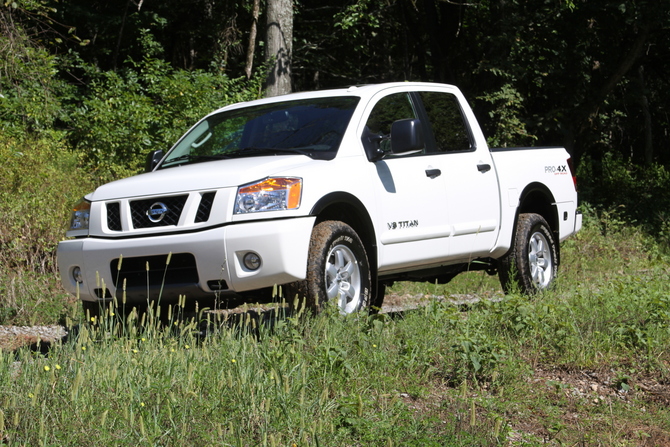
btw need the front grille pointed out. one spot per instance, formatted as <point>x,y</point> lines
<point>205,207</point>
<point>153,271</point>
<point>114,216</point>
<point>157,212</point>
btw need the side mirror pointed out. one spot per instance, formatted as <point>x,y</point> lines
<point>406,136</point>
<point>153,159</point>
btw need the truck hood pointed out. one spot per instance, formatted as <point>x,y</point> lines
<point>199,176</point>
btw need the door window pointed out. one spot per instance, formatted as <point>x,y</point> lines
<point>447,123</point>
<point>391,108</point>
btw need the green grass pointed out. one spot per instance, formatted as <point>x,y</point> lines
<point>584,364</point>
<point>303,381</point>
<point>30,298</point>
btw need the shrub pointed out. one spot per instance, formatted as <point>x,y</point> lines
<point>629,193</point>
<point>146,105</point>
<point>29,90</point>
<point>39,181</point>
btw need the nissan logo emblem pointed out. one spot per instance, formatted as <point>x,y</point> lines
<point>157,212</point>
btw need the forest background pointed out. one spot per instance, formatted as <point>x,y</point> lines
<point>88,88</point>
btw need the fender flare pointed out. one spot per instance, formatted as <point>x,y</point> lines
<point>346,207</point>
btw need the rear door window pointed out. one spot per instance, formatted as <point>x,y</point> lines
<point>447,123</point>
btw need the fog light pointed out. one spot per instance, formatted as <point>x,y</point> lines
<point>252,261</point>
<point>77,275</point>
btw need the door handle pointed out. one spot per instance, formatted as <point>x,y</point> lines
<point>432,173</point>
<point>483,167</point>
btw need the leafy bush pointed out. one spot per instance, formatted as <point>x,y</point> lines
<point>146,105</point>
<point>39,181</point>
<point>628,193</point>
<point>29,90</point>
<point>505,109</point>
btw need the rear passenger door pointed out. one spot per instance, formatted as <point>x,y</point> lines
<point>471,198</point>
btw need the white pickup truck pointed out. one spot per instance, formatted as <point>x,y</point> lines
<point>334,194</point>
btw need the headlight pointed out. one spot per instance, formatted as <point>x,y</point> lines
<point>272,194</point>
<point>80,215</point>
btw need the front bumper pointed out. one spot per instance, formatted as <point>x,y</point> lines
<point>201,263</point>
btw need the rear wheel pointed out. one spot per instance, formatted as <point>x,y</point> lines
<point>532,262</point>
<point>337,269</point>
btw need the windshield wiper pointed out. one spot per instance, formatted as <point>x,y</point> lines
<point>190,158</point>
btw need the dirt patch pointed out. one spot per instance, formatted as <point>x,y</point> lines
<point>581,403</point>
<point>604,384</point>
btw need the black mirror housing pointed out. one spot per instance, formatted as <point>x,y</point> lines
<point>406,136</point>
<point>153,159</point>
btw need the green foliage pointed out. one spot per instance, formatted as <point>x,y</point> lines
<point>356,15</point>
<point>624,193</point>
<point>544,72</point>
<point>30,94</point>
<point>39,180</point>
<point>506,110</point>
<point>147,105</point>
<point>477,356</point>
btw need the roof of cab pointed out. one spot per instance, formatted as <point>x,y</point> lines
<point>355,90</point>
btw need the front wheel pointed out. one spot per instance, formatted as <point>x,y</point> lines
<point>337,269</point>
<point>532,261</point>
<point>91,310</point>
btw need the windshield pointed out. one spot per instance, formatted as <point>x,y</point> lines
<point>312,127</point>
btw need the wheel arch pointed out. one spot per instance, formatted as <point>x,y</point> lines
<point>537,198</point>
<point>347,208</point>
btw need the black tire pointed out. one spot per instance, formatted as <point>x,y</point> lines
<point>531,264</point>
<point>377,302</point>
<point>337,269</point>
<point>94,311</point>
<point>91,310</point>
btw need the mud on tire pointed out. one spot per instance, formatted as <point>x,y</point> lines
<point>337,269</point>
<point>532,262</point>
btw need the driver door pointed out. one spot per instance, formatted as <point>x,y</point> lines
<point>412,224</point>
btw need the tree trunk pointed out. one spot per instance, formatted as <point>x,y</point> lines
<point>118,41</point>
<point>644,103</point>
<point>252,40</point>
<point>436,36</point>
<point>279,47</point>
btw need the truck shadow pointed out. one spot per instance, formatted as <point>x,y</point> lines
<point>203,321</point>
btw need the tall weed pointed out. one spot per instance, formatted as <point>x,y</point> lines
<point>336,385</point>
<point>39,180</point>
<point>438,375</point>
